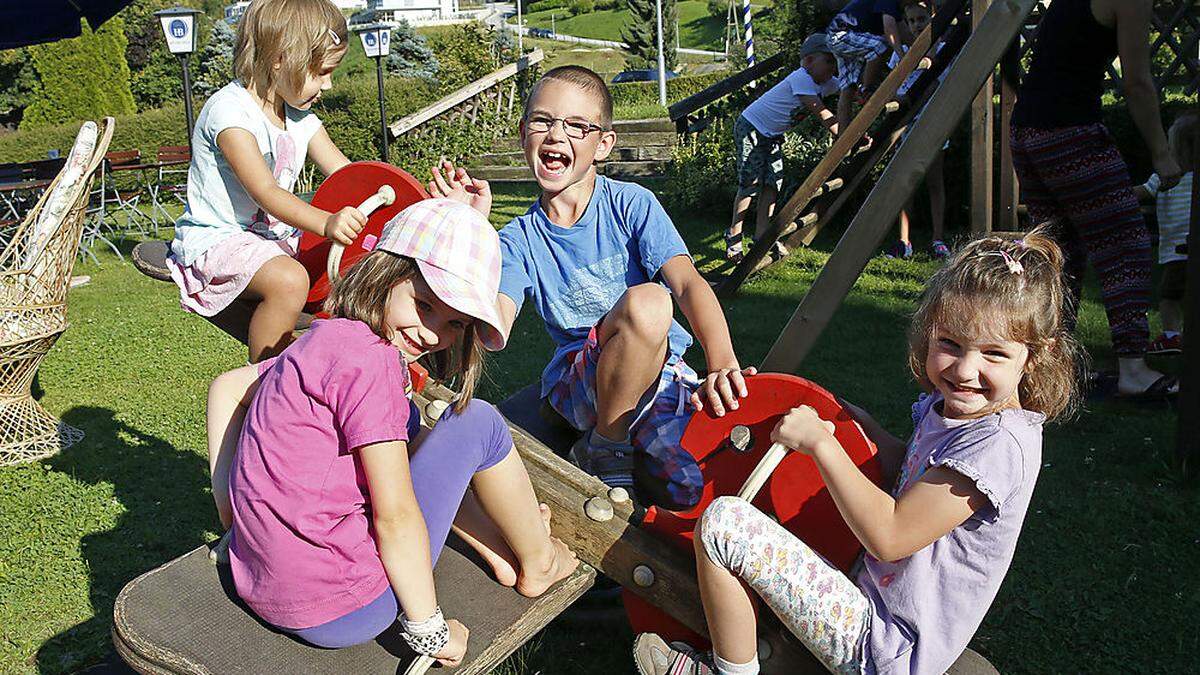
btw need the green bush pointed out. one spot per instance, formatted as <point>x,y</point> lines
<point>603,5</point>
<point>544,5</point>
<point>80,78</point>
<point>643,93</point>
<point>577,7</point>
<point>143,131</point>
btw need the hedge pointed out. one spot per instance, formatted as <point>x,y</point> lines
<point>679,88</point>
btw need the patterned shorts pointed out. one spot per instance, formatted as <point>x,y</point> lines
<point>759,158</point>
<point>814,600</point>
<point>852,50</point>
<point>665,473</point>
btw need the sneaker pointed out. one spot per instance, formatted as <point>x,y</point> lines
<point>733,248</point>
<point>611,462</point>
<point>653,656</point>
<point>219,553</point>
<point>940,249</point>
<point>901,249</point>
<point>1165,345</point>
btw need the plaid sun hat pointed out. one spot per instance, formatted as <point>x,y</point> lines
<point>458,253</point>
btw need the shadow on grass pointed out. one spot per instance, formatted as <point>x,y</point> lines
<point>167,512</point>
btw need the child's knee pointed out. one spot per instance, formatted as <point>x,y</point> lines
<point>647,309</point>
<point>481,420</point>
<point>288,279</point>
<point>718,525</point>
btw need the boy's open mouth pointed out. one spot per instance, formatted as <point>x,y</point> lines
<point>555,163</point>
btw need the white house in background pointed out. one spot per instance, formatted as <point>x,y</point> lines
<point>413,11</point>
<point>234,12</point>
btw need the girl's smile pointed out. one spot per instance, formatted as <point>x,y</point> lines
<point>419,321</point>
<point>976,376</point>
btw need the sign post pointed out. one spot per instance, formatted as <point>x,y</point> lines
<point>179,28</point>
<point>377,43</point>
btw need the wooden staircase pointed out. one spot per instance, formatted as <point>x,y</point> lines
<point>644,149</point>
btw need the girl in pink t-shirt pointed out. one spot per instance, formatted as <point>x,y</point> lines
<point>338,503</point>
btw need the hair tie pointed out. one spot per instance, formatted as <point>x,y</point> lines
<point>333,36</point>
<point>1020,244</point>
<point>1010,262</point>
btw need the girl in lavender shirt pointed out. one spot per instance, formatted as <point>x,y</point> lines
<point>989,345</point>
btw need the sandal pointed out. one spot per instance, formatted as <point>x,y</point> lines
<point>1160,390</point>
<point>1166,345</point>
<point>733,247</point>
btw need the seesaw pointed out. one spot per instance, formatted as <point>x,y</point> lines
<point>184,617</point>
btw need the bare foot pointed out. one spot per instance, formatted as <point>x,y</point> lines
<point>562,562</point>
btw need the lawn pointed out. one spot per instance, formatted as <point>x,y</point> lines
<point>697,28</point>
<point>1099,583</point>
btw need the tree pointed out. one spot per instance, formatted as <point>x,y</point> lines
<point>410,55</point>
<point>641,34</point>
<point>155,77</point>
<point>81,78</point>
<point>214,65</point>
<point>17,82</point>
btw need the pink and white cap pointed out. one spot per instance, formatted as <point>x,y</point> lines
<point>458,253</point>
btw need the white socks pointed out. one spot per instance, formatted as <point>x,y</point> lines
<point>726,668</point>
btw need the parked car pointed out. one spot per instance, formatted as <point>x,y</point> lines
<point>648,75</point>
<point>541,33</point>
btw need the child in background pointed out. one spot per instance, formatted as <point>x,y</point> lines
<point>339,503</point>
<point>917,14</point>
<point>237,236</point>
<point>989,344</point>
<point>859,36</point>
<point>601,260</point>
<point>758,137</point>
<point>1174,213</point>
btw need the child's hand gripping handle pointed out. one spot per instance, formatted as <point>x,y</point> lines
<point>766,466</point>
<point>383,197</point>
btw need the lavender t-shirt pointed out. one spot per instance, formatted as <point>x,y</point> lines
<point>302,552</point>
<point>926,607</point>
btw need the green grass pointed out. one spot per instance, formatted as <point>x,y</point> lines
<point>697,28</point>
<point>1099,582</point>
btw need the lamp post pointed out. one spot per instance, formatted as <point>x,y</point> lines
<point>179,27</point>
<point>377,43</point>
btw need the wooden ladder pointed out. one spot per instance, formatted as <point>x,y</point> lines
<point>833,174</point>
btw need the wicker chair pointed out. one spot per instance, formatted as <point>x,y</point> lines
<point>35,272</point>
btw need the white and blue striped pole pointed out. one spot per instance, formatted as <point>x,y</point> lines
<point>746,21</point>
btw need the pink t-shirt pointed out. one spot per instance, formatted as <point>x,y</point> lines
<point>302,550</point>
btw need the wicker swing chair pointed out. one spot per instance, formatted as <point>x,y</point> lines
<point>35,273</point>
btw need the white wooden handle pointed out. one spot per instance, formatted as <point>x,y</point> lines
<point>419,665</point>
<point>384,197</point>
<point>766,466</point>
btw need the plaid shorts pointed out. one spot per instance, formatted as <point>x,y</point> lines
<point>852,50</point>
<point>665,473</point>
<point>759,158</point>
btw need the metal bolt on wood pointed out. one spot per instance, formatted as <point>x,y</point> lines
<point>618,495</point>
<point>643,576</point>
<point>598,509</point>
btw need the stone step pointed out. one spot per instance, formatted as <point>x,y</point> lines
<point>627,140</point>
<point>621,170</point>
<point>619,154</point>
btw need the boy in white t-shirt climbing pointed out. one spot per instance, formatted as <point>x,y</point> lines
<point>758,136</point>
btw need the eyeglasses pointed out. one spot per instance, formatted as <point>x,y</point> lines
<point>572,126</point>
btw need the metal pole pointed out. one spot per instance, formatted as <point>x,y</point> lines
<point>520,25</point>
<point>662,67</point>
<point>382,109</point>
<point>187,97</point>
<point>553,30</point>
<point>749,32</point>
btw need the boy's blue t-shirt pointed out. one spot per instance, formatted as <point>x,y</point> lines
<point>575,275</point>
<point>868,14</point>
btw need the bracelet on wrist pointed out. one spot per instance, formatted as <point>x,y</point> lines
<point>428,636</point>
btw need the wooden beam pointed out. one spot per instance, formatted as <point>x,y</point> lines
<point>725,87</point>
<point>842,145</point>
<point>409,122</point>
<point>1187,441</point>
<point>982,138</point>
<point>975,63</point>
<point>1007,200</point>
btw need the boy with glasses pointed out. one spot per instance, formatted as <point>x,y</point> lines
<point>600,260</point>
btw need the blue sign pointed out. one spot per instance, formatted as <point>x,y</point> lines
<point>370,38</point>
<point>179,28</point>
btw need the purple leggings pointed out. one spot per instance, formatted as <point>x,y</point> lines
<point>457,448</point>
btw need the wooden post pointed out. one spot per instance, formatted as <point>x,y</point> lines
<point>1006,203</point>
<point>982,137</point>
<point>978,58</point>
<point>1187,441</point>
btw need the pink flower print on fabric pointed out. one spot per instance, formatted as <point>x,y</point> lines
<point>283,168</point>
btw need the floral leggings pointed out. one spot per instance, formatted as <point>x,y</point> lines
<point>817,603</point>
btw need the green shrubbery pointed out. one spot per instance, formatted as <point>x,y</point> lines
<point>80,78</point>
